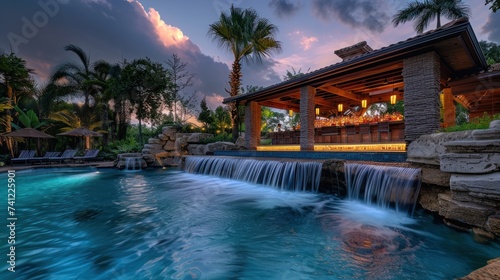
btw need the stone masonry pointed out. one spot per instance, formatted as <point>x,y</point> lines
<point>252,125</point>
<point>421,88</point>
<point>475,179</point>
<point>168,147</point>
<point>470,162</point>
<point>307,116</point>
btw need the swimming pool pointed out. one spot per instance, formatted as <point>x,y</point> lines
<point>167,224</point>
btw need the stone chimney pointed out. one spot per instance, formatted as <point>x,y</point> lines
<point>353,51</point>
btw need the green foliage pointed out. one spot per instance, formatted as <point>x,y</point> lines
<point>482,122</point>
<point>423,13</point>
<point>205,115</point>
<point>247,36</point>
<point>221,137</point>
<point>145,82</point>
<point>398,107</point>
<point>28,119</point>
<point>491,52</point>
<point>128,145</point>
<point>293,74</point>
<point>495,5</point>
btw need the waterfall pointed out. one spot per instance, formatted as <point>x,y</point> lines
<point>133,163</point>
<point>384,186</point>
<point>285,175</point>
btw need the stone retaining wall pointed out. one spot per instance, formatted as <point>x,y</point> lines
<point>461,177</point>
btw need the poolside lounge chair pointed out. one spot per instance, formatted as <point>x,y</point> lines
<point>89,155</point>
<point>66,155</point>
<point>23,157</point>
<point>46,157</point>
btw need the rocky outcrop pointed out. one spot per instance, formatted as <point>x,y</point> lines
<point>427,149</point>
<point>471,161</point>
<point>490,271</point>
<point>133,161</point>
<point>168,147</point>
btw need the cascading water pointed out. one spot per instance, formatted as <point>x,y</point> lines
<point>133,163</point>
<point>384,186</point>
<point>296,176</point>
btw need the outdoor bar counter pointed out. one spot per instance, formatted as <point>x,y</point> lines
<point>389,131</point>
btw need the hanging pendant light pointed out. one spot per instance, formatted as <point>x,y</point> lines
<point>393,99</point>
<point>317,111</point>
<point>290,113</point>
<point>364,103</point>
<point>340,107</point>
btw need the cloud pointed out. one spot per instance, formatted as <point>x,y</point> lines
<point>108,30</point>
<point>305,41</point>
<point>283,8</point>
<point>492,27</point>
<point>368,14</point>
<point>167,34</point>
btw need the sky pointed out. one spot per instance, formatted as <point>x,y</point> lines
<point>113,30</point>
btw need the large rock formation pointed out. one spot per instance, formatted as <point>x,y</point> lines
<point>168,147</point>
<point>469,164</point>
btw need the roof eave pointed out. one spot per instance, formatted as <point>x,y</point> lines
<point>462,29</point>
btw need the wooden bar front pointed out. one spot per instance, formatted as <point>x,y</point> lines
<point>349,134</point>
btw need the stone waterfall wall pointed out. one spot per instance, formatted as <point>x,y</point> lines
<point>168,147</point>
<point>462,174</point>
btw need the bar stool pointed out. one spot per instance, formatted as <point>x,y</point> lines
<point>365,129</point>
<point>383,127</point>
<point>349,130</point>
<point>331,131</point>
<point>273,137</point>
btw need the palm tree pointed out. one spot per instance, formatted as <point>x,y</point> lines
<point>248,37</point>
<point>78,79</point>
<point>425,12</point>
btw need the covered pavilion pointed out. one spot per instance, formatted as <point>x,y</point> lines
<point>429,72</point>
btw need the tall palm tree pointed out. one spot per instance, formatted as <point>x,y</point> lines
<point>428,10</point>
<point>79,79</point>
<point>247,36</point>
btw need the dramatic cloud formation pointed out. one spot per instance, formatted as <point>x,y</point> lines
<point>283,8</point>
<point>369,14</point>
<point>492,27</point>
<point>107,30</point>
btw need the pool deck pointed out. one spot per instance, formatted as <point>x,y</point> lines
<point>98,164</point>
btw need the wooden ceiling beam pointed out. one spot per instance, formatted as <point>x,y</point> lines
<point>341,92</point>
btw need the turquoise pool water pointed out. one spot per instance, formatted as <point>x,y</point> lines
<point>167,224</point>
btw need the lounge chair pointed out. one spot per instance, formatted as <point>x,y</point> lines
<point>23,157</point>
<point>46,157</point>
<point>66,155</point>
<point>89,155</point>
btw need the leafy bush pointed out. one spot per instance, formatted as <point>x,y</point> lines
<point>223,137</point>
<point>128,145</point>
<point>482,122</point>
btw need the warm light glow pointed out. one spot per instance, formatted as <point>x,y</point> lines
<point>317,111</point>
<point>290,113</point>
<point>393,99</point>
<point>341,107</point>
<point>364,103</point>
<point>391,147</point>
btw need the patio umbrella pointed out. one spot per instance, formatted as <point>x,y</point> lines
<point>28,133</point>
<point>81,132</point>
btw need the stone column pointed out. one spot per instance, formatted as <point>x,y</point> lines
<point>448,108</point>
<point>307,116</point>
<point>421,75</point>
<point>252,125</point>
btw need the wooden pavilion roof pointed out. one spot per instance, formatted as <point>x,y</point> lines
<point>378,74</point>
